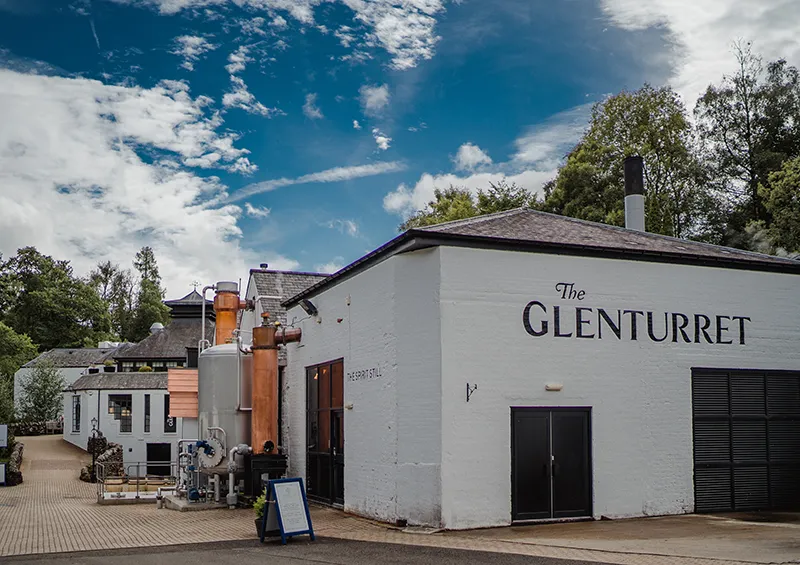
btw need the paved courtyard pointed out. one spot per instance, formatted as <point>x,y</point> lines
<point>53,512</point>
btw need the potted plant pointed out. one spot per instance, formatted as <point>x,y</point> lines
<point>108,366</point>
<point>258,506</point>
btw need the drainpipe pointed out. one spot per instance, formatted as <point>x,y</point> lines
<point>203,310</point>
<point>264,419</point>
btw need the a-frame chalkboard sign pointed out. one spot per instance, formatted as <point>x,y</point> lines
<point>286,510</point>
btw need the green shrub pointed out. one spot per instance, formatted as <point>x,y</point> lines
<point>259,504</point>
<point>145,369</point>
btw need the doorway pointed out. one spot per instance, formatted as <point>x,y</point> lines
<point>551,468</point>
<point>325,431</point>
<point>158,453</point>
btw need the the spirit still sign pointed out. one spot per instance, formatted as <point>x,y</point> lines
<point>286,510</point>
<point>570,316</point>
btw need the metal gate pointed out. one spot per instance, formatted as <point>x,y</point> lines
<point>746,428</point>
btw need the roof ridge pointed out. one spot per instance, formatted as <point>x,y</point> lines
<point>629,231</point>
<point>475,219</point>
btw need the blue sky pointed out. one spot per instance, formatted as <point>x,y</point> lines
<point>227,133</point>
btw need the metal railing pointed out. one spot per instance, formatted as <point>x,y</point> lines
<point>132,484</point>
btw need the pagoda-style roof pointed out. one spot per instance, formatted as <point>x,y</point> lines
<point>190,306</point>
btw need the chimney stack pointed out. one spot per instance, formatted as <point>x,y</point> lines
<point>634,193</point>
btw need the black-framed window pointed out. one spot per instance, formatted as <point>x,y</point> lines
<point>121,406</point>
<point>147,413</point>
<point>76,413</point>
<point>169,422</point>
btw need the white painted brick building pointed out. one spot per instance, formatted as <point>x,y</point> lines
<point>570,413</point>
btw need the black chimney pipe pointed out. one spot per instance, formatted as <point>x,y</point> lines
<point>634,193</point>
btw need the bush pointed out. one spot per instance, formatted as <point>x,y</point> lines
<point>259,504</point>
<point>145,369</point>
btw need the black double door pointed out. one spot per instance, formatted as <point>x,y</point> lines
<point>159,453</point>
<point>325,431</point>
<point>551,463</point>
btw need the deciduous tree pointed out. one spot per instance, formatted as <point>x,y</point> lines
<point>41,397</point>
<point>781,198</point>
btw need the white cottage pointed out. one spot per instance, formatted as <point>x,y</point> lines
<point>523,366</point>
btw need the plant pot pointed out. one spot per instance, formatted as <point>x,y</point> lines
<point>258,526</point>
<point>109,369</point>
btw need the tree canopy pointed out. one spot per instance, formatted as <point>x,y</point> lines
<point>15,351</point>
<point>149,307</point>
<point>41,394</point>
<point>456,203</point>
<point>781,197</point>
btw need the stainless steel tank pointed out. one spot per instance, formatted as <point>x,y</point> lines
<point>221,403</point>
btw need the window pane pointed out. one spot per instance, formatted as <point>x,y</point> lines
<point>76,413</point>
<point>324,430</point>
<point>312,378</point>
<point>146,412</point>
<point>324,386</point>
<point>120,406</point>
<point>337,385</point>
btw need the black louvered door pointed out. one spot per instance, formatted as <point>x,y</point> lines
<point>746,440</point>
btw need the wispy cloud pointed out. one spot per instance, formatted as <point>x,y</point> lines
<point>240,97</point>
<point>545,145</point>
<point>310,108</point>
<point>702,32</point>
<point>336,264</point>
<point>191,48</point>
<point>470,157</point>
<point>374,99</point>
<point>94,32</point>
<point>344,226</point>
<point>256,211</point>
<point>337,174</point>
<point>356,125</point>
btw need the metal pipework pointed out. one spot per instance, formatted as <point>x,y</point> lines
<point>241,449</point>
<point>264,422</point>
<point>227,305</point>
<point>201,344</point>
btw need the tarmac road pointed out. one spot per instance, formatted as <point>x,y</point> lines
<point>296,552</point>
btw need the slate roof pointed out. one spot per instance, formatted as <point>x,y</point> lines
<point>169,343</point>
<point>527,230</point>
<point>120,381</point>
<point>284,284</point>
<point>74,357</point>
<point>190,306</point>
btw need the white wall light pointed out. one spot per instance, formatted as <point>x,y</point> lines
<point>553,387</point>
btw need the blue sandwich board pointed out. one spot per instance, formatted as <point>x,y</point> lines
<point>286,510</point>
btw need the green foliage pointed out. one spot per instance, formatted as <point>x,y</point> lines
<point>145,369</point>
<point>41,298</point>
<point>650,122</point>
<point>41,394</point>
<point>116,288</point>
<point>6,401</point>
<point>15,351</point>
<point>748,125</point>
<point>149,306</point>
<point>459,203</point>
<point>259,503</point>
<point>781,198</point>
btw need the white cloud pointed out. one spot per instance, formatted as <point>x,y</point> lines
<point>545,145</point>
<point>470,157</point>
<point>279,23</point>
<point>374,98</point>
<point>381,139</point>
<point>256,211</point>
<point>337,174</point>
<point>253,26</point>
<point>191,48</point>
<point>75,185</point>
<point>240,97</point>
<point>344,226</point>
<point>337,264</point>
<point>404,29</point>
<point>406,200</point>
<point>702,34</point>
<point>356,125</point>
<point>310,108</point>
<point>345,36</point>
<point>238,60</point>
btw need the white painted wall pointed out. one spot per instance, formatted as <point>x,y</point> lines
<point>134,444</point>
<point>639,391</point>
<point>69,374</point>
